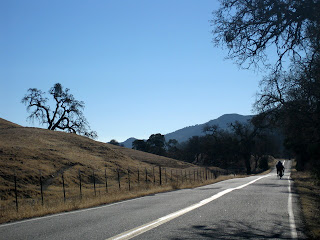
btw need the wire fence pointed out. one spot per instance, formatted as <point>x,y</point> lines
<point>82,185</point>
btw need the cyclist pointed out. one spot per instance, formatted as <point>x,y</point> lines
<point>280,167</point>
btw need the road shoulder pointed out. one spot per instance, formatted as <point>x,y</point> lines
<point>309,194</point>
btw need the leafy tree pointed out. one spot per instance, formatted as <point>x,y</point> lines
<point>192,150</point>
<point>114,142</point>
<point>65,115</point>
<point>140,145</point>
<point>172,148</point>
<point>156,144</point>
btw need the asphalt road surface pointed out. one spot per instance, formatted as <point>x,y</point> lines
<point>256,207</point>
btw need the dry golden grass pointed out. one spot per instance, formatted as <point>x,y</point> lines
<point>309,193</point>
<point>34,208</point>
<point>29,152</point>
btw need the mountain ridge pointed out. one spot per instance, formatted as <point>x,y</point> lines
<point>183,134</point>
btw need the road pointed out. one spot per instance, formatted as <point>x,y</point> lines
<point>256,207</point>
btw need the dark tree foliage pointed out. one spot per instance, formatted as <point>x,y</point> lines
<point>292,102</point>
<point>155,144</point>
<point>249,27</point>
<point>140,145</point>
<point>114,142</point>
<point>66,113</point>
<point>172,148</point>
<point>232,149</point>
<point>235,148</point>
<point>289,98</point>
<point>192,150</point>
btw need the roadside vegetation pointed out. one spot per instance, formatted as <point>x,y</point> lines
<point>44,172</point>
<point>287,107</point>
<point>55,204</point>
<point>309,194</point>
<point>243,147</point>
<point>287,32</point>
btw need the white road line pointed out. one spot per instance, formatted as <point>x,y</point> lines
<point>294,234</point>
<point>148,226</point>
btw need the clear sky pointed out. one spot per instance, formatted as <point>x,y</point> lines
<point>141,67</point>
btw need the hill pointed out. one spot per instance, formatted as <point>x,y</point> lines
<point>27,152</point>
<point>128,143</point>
<point>184,134</point>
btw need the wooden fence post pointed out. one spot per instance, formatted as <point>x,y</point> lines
<point>41,189</point>
<point>106,177</point>
<point>94,183</point>
<point>118,171</point>
<point>160,177</point>
<point>146,176</point>
<point>64,190</point>
<point>15,191</point>
<point>138,176</point>
<point>154,176</point>
<point>129,179</point>
<point>177,176</point>
<point>185,175</point>
<point>165,174</point>
<point>181,176</point>
<point>80,183</point>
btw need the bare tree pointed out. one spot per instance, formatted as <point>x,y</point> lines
<point>65,115</point>
<point>289,97</point>
<point>249,27</point>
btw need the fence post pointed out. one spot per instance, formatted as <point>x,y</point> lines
<point>181,176</point>
<point>15,191</point>
<point>80,183</point>
<point>129,179</point>
<point>206,174</point>
<point>94,183</point>
<point>177,176</point>
<point>41,190</point>
<point>160,177</point>
<point>171,176</point>
<point>119,178</point>
<point>146,176</point>
<point>185,175</point>
<point>154,176</point>
<point>64,190</point>
<point>165,173</point>
<point>106,177</point>
<point>138,176</point>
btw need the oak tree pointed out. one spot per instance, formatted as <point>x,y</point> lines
<point>64,114</point>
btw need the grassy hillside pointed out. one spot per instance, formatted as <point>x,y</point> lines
<point>36,155</point>
<point>26,151</point>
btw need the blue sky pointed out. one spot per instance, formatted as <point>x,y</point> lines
<point>141,67</point>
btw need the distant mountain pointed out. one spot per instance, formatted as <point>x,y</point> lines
<point>128,143</point>
<point>184,134</point>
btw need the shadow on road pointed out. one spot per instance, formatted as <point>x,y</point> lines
<point>234,230</point>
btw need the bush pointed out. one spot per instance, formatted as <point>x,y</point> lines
<point>263,163</point>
